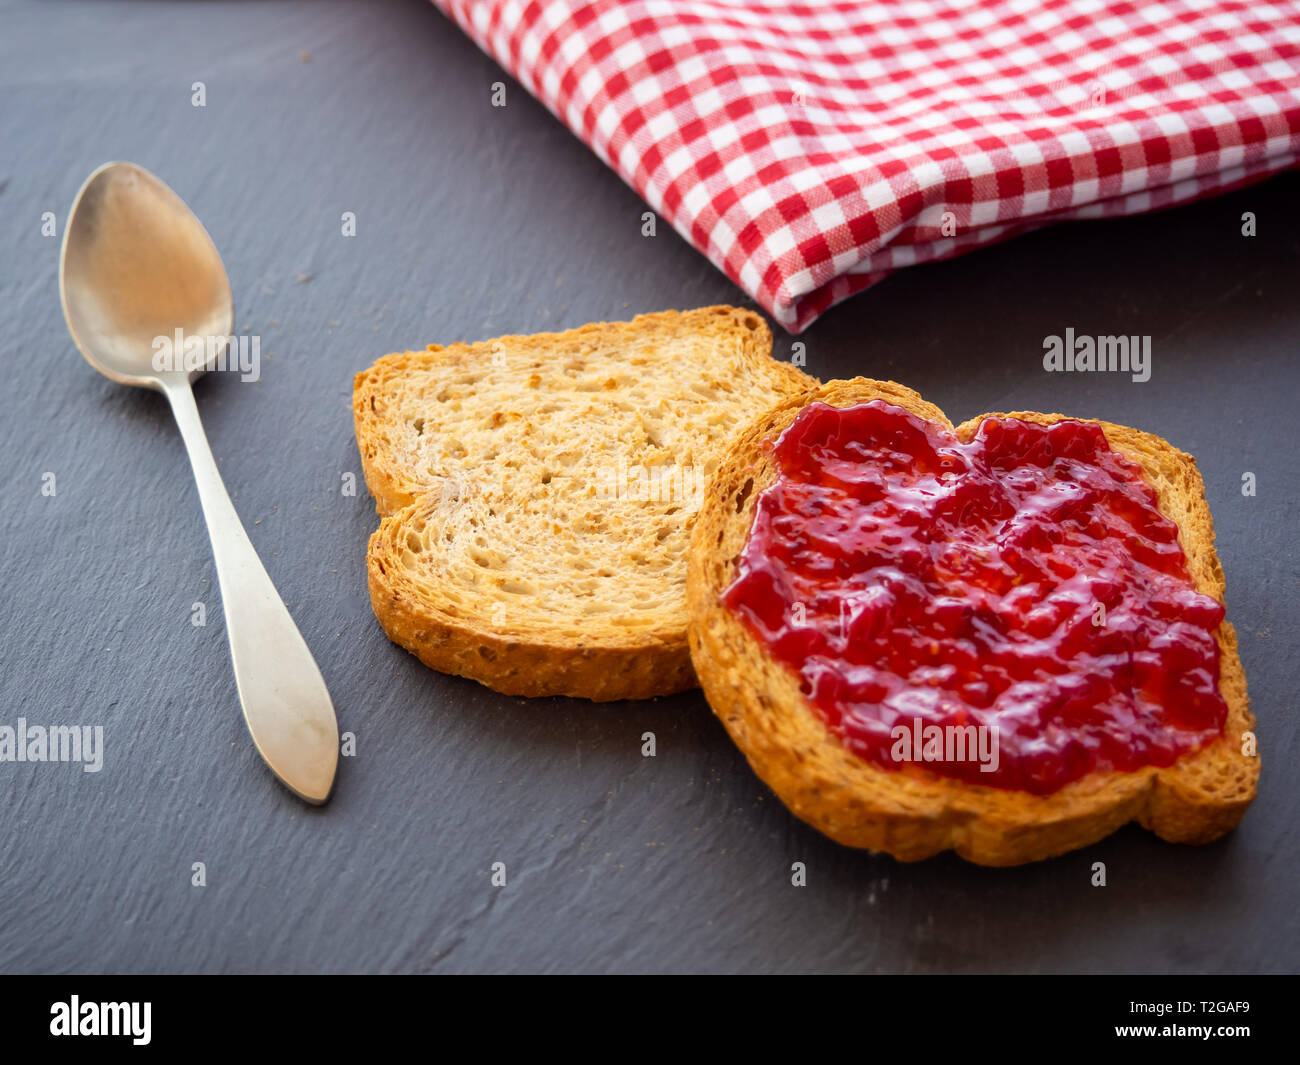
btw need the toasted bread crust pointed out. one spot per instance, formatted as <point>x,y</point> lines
<point>532,652</point>
<point>532,663</point>
<point>910,812</point>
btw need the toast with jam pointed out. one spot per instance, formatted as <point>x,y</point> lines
<point>1004,638</point>
<point>537,493</point>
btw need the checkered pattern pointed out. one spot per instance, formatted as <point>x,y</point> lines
<point>809,149</point>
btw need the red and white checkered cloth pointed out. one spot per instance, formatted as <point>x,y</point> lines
<point>809,149</point>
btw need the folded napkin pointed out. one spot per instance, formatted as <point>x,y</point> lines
<point>809,149</point>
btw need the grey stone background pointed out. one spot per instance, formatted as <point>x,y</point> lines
<point>472,222</point>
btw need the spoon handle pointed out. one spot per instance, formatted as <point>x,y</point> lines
<point>286,704</point>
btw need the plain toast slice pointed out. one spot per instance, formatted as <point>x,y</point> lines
<point>910,812</point>
<point>537,494</point>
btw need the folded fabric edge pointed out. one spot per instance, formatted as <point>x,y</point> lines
<point>797,312</point>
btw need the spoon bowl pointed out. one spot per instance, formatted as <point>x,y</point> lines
<point>137,265</point>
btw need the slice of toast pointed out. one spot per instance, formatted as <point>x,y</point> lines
<point>537,494</point>
<point>910,812</point>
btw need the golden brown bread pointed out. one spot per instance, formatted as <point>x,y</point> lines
<point>537,494</point>
<point>910,812</point>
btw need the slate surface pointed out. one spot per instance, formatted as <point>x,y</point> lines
<point>471,222</point>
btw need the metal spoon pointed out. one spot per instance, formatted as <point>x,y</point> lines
<point>137,265</point>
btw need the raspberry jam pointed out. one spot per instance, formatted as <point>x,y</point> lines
<point>1025,582</point>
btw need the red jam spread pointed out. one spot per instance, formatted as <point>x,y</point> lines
<point>1024,583</point>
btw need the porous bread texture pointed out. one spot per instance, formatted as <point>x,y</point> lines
<point>910,812</point>
<point>537,494</point>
